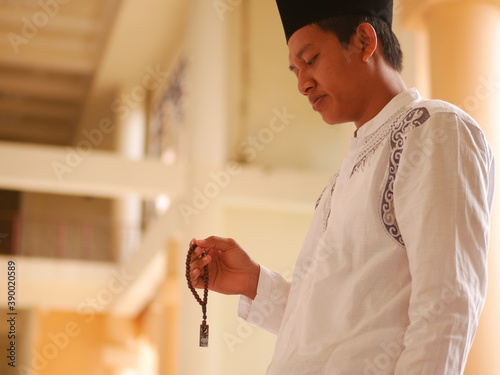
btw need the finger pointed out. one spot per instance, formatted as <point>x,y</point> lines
<point>197,253</point>
<point>201,261</point>
<point>196,262</point>
<point>217,243</point>
<point>197,271</point>
<point>195,276</point>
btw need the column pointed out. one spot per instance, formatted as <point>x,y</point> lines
<point>127,212</point>
<point>199,210</point>
<point>463,39</point>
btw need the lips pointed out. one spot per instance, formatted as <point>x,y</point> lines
<point>316,101</point>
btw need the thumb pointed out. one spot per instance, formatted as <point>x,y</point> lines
<point>217,243</point>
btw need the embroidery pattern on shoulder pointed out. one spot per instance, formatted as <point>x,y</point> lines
<point>329,189</point>
<point>374,141</point>
<point>413,119</point>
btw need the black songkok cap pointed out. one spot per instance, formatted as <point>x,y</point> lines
<point>296,14</point>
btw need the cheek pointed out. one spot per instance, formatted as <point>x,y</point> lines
<point>334,80</point>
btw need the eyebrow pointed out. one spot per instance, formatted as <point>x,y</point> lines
<point>299,54</point>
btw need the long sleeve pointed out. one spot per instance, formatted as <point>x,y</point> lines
<point>442,198</point>
<point>268,307</point>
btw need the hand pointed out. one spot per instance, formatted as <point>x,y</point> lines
<point>230,268</point>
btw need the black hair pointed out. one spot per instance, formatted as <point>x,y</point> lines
<point>345,26</point>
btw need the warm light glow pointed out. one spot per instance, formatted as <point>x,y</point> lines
<point>148,359</point>
<point>162,204</point>
<point>169,156</point>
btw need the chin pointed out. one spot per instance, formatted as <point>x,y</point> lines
<point>330,120</point>
<point>333,118</point>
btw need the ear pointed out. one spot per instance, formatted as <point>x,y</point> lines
<point>367,38</point>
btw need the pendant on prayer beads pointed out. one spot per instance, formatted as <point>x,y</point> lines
<point>204,335</point>
<point>203,302</point>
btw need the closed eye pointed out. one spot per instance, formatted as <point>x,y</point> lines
<point>310,62</point>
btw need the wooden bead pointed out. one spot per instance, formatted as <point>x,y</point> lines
<point>203,302</point>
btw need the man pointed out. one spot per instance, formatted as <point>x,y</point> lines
<point>391,277</point>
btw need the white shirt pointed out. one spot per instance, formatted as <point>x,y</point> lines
<point>391,277</point>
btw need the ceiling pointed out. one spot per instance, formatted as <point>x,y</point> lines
<point>49,53</point>
<point>58,56</point>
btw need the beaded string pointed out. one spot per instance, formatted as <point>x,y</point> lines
<point>203,302</point>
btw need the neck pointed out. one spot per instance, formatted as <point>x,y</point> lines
<point>382,88</point>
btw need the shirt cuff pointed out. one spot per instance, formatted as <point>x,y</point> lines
<point>267,309</point>
<point>245,305</point>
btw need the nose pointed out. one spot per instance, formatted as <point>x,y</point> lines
<point>305,83</point>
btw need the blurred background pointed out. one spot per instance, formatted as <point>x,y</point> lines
<point>128,127</point>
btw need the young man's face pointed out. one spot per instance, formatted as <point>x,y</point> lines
<point>327,74</point>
